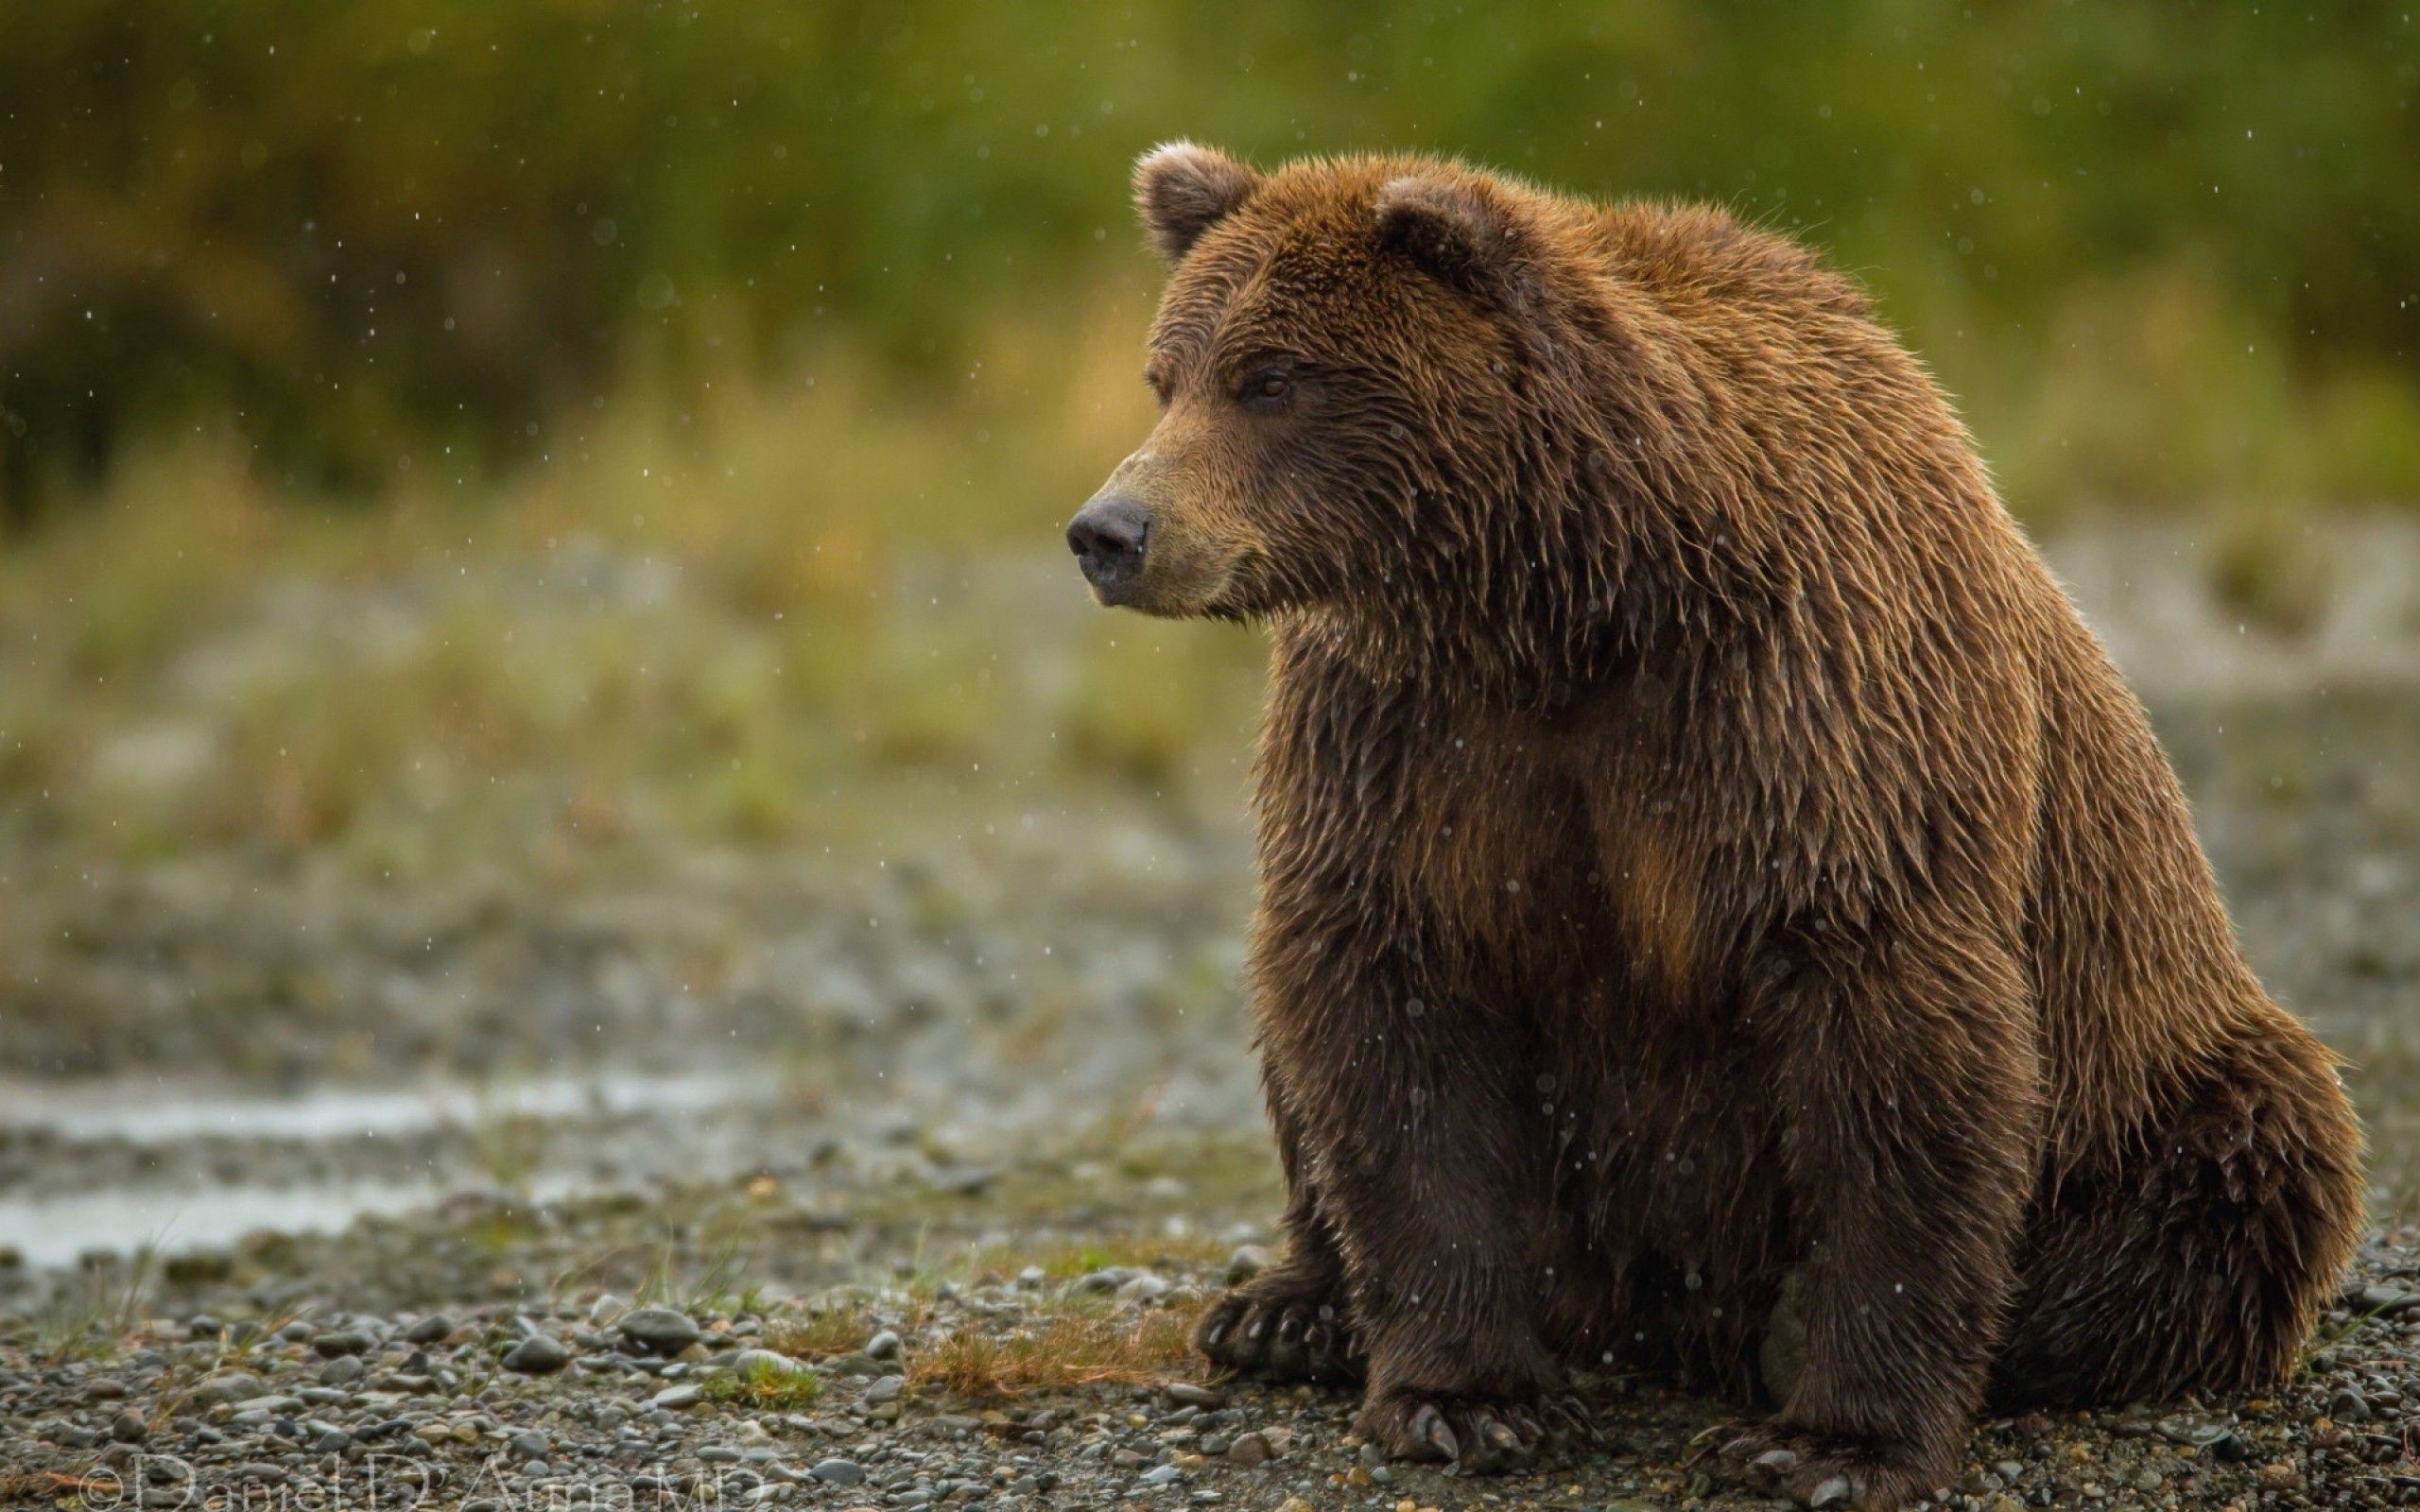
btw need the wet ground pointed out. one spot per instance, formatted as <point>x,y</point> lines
<point>982,1076</point>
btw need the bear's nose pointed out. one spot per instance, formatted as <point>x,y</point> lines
<point>1109,536</point>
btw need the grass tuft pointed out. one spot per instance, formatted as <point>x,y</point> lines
<point>820,1334</point>
<point>1073,1347</point>
<point>96,1322</point>
<point>767,1387</point>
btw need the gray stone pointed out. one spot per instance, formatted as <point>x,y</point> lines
<point>886,1388</point>
<point>676,1398</point>
<point>1144,1287</point>
<point>883,1346</point>
<point>65,1434</point>
<point>839,1472</point>
<point>757,1364</point>
<point>537,1355</point>
<point>430,1329</point>
<point>2386,1301</point>
<point>226,1386</point>
<point>658,1329</point>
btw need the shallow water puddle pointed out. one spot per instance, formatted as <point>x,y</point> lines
<point>56,1227</point>
<point>56,1230</point>
<point>158,1110</point>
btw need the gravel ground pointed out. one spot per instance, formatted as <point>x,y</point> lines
<point>931,1153</point>
<point>237,1386</point>
<point>873,1328</point>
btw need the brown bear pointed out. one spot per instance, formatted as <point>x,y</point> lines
<point>1700,847</point>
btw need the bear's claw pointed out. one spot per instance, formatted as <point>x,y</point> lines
<point>1473,1435</point>
<point>1279,1331</point>
<point>1818,1473</point>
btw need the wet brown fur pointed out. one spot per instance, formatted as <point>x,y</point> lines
<point>1701,845</point>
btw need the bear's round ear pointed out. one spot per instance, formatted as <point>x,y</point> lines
<point>1452,230</point>
<point>1182,190</point>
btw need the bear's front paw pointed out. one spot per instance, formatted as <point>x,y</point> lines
<point>1282,1326</point>
<point>1476,1435</point>
<point>1821,1471</point>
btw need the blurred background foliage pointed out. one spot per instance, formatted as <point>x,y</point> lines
<point>2164,251</point>
<point>442,429</point>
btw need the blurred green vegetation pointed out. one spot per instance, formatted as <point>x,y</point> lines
<point>685,631</point>
<point>439,436</point>
<point>2163,251</point>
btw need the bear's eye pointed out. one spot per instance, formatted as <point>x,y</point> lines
<point>1158,384</point>
<point>1267,388</point>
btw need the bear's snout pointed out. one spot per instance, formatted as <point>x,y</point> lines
<point>1109,536</point>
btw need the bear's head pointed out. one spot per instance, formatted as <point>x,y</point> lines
<point>1346,361</point>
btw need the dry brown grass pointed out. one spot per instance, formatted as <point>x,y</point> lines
<point>1056,1351</point>
<point>22,1486</point>
<point>818,1336</point>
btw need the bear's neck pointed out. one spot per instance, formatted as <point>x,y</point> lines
<point>1529,641</point>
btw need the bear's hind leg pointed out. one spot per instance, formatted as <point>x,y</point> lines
<point>2200,1260</point>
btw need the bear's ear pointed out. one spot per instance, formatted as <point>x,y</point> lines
<point>1454,232</point>
<point>1182,190</point>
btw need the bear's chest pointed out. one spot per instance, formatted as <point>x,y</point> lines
<point>1483,827</point>
<point>1552,856</point>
